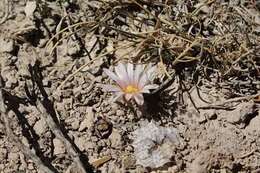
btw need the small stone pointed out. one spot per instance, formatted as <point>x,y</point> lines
<point>29,8</point>
<point>242,113</point>
<point>116,139</point>
<point>128,161</point>
<point>129,148</point>
<point>120,113</point>
<point>200,118</point>
<point>80,142</point>
<point>3,153</point>
<point>59,147</point>
<point>7,45</point>
<point>75,124</point>
<point>25,141</point>
<point>40,127</point>
<point>102,128</point>
<point>73,48</point>
<point>13,157</point>
<point>30,166</point>
<point>88,120</point>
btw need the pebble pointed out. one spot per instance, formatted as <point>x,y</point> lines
<point>115,138</point>
<point>128,161</point>
<point>40,127</point>
<point>59,147</point>
<point>75,124</point>
<point>3,153</point>
<point>120,113</point>
<point>13,157</point>
<point>88,120</point>
<point>29,8</point>
<point>80,142</point>
<point>73,47</point>
<point>7,45</point>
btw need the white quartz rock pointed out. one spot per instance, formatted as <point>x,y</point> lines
<point>154,145</point>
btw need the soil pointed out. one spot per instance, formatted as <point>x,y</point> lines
<point>55,117</point>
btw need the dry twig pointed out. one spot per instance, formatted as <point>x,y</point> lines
<point>58,133</point>
<point>16,141</point>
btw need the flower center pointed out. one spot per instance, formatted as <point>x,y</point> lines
<point>131,89</point>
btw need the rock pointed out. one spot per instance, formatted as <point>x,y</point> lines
<point>80,142</point>
<point>88,120</point>
<point>73,47</point>
<point>3,153</point>
<point>59,147</point>
<point>6,45</point>
<point>154,145</point>
<point>116,139</point>
<point>254,124</point>
<point>30,166</point>
<point>75,124</point>
<point>102,128</point>
<point>14,157</point>
<point>120,113</point>
<point>242,113</point>
<point>29,8</point>
<point>40,127</point>
<point>128,162</point>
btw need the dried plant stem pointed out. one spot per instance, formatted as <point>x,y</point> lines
<point>67,28</point>
<point>222,103</point>
<point>58,133</point>
<point>60,40</point>
<point>85,65</point>
<point>238,59</point>
<point>185,51</point>
<point>16,141</point>
<point>6,12</point>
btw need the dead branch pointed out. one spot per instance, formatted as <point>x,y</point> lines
<point>16,141</point>
<point>58,133</point>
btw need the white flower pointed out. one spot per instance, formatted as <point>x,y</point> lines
<point>131,82</point>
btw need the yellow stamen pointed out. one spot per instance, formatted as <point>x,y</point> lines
<point>131,89</point>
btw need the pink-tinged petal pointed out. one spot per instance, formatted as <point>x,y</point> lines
<point>114,77</point>
<point>130,72</point>
<point>149,87</point>
<point>151,72</point>
<point>137,73</point>
<point>143,81</point>
<point>128,96</point>
<point>112,88</point>
<point>122,73</point>
<point>118,96</point>
<point>139,99</point>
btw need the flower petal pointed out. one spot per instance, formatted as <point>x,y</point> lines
<point>139,99</point>
<point>122,73</point>
<point>143,80</point>
<point>137,73</point>
<point>151,72</point>
<point>149,87</point>
<point>130,72</point>
<point>112,88</point>
<point>114,77</point>
<point>118,96</point>
<point>128,96</point>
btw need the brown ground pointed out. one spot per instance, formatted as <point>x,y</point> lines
<point>55,118</point>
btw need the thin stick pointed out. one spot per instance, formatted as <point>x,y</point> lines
<point>85,65</point>
<point>222,103</point>
<point>58,133</point>
<point>185,51</point>
<point>67,28</point>
<point>16,141</point>
<point>6,12</point>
